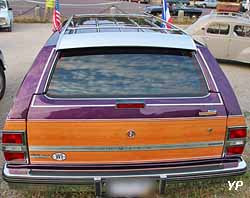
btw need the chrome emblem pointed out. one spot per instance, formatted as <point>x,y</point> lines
<point>131,134</point>
<point>59,156</point>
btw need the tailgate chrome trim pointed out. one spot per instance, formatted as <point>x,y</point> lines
<point>127,148</point>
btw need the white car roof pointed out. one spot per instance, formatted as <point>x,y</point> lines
<point>126,39</point>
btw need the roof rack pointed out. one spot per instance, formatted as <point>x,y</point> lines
<point>90,23</point>
<point>231,14</point>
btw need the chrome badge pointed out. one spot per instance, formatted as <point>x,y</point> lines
<point>131,134</point>
<point>59,156</point>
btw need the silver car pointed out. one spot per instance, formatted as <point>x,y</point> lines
<point>206,4</point>
<point>227,35</point>
<point>6,15</point>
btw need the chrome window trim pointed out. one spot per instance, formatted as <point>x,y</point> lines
<point>209,71</point>
<point>142,98</point>
<point>44,70</point>
<point>114,105</point>
<point>53,66</point>
<point>202,69</point>
<point>145,98</point>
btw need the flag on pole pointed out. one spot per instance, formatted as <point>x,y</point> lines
<point>57,23</point>
<point>165,13</point>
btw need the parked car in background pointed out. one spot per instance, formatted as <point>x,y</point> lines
<point>206,4</point>
<point>6,15</point>
<point>2,75</point>
<point>188,11</point>
<point>174,2</point>
<point>154,10</point>
<point>227,35</point>
<point>141,1</point>
<point>94,108</point>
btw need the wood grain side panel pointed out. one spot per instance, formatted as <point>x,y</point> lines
<point>83,133</point>
<point>15,125</point>
<point>129,157</point>
<point>236,121</point>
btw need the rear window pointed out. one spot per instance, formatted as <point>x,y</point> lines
<point>126,73</point>
<point>242,31</point>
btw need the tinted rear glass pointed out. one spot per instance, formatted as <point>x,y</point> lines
<point>126,73</point>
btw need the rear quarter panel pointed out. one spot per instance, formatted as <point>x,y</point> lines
<point>223,85</point>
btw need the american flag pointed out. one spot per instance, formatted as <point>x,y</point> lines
<point>165,13</point>
<point>57,23</point>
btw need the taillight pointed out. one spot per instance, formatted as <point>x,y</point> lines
<point>12,138</point>
<point>14,156</point>
<point>14,146</point>
<point>236,141</point>
<point>235,150</point>
<point>237,133</point>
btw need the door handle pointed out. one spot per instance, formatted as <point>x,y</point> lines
<point>208,113</point>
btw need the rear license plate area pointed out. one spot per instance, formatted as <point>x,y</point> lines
<point>130,187</point>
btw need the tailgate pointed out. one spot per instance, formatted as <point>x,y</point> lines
<point>82,111</point>
<point>104,134</point>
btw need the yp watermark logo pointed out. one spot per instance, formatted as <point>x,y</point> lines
<point>235,185</point>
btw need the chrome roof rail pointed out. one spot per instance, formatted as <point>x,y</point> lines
<point>79,29</point>
<point>118,22</point>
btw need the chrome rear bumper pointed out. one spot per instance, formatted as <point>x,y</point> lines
<point>169,172</point>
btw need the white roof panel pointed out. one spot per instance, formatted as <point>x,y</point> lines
<point>126,39</point>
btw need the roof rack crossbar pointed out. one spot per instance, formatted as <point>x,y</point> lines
<point>123,27</point>
<point>136,24</point>
<point>97,25</point>
<point>119,22</point>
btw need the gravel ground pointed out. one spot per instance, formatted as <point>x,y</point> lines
<point>21,46</point>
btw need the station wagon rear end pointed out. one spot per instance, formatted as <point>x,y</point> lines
<point>116,96</point>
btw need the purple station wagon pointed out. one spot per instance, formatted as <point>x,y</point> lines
<point>118,97</point>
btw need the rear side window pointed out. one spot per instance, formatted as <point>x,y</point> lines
<point>218,28</point>
<point>242,31</point>
<point>126,73</point>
